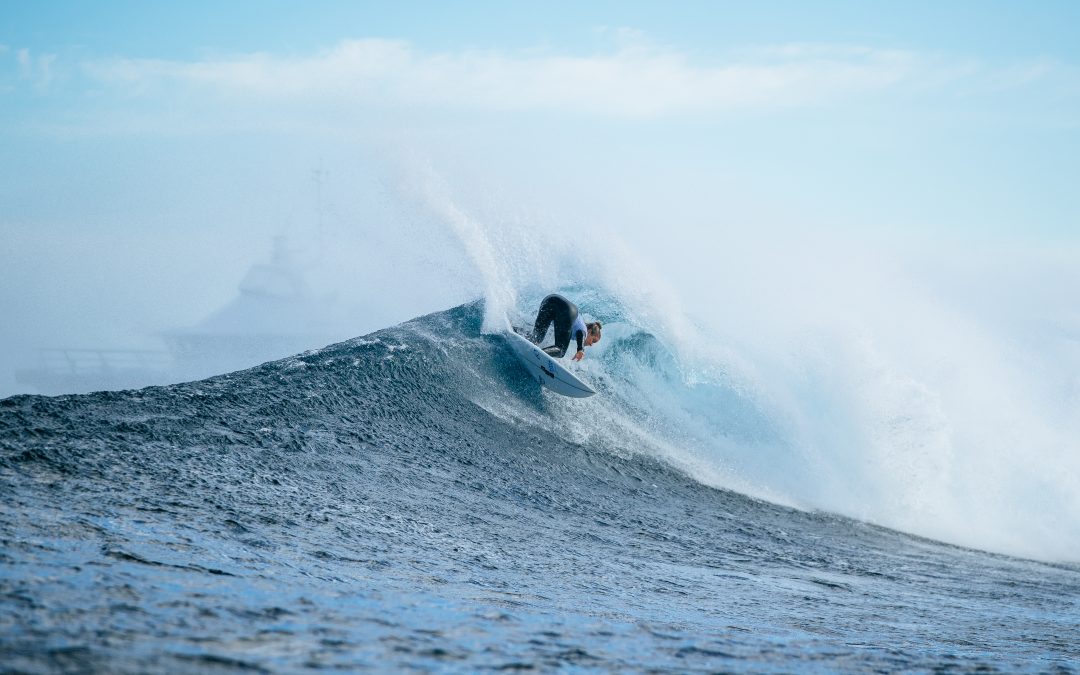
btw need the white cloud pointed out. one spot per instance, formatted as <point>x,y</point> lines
<point>1025,74</point>
<point>38,70</point>
<point>636,80</point>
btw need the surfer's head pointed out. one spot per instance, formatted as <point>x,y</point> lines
<point>593,334</point>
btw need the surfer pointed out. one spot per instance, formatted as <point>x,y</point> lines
<point>568,324</point>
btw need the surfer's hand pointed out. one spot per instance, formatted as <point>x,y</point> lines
<point>580,355</point>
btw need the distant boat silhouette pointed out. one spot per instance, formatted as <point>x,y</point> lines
<point>274,314</point>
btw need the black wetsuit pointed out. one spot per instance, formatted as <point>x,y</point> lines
<point>560,311</point>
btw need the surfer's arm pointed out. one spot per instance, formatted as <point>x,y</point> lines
<point>580,337</point>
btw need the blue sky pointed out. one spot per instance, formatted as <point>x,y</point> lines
<point>166,142</point>
<point>1005,30</point>
<point>891,99</point>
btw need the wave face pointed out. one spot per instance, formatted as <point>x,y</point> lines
<point>410,499</point>
<point>925,384</point>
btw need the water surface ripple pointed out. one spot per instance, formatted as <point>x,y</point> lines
<point>356,508</point>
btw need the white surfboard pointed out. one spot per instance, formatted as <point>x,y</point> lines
<point>546,369</point>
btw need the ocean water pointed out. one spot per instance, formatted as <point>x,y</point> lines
<point>410,500</point>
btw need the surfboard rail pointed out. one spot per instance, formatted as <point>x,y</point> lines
<point>546,370</point>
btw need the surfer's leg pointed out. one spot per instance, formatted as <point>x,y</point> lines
<point>544,317</point>
<point>550,308</point>
<point>564,322</point>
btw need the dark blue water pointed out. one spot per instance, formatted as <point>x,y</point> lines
<point>401,502</point>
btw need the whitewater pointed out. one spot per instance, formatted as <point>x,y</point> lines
<point>801,460</point>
